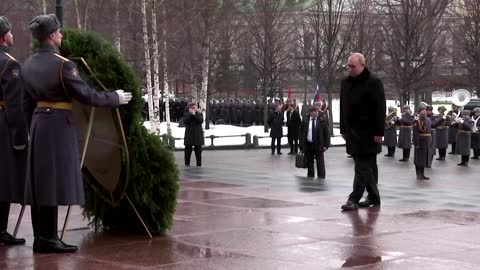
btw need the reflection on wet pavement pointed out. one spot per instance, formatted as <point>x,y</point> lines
<point>256,211</point>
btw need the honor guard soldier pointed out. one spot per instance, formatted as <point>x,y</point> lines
<point>390,137</point>
<point>435,121</point>
<point>453,115</point>
<point>54,177</point>
<point>441,133</point>
<point>405,135</point>
<point>422,140</point>
<point>13,134</point>
<point>475,133</point>
<point>464,126</point>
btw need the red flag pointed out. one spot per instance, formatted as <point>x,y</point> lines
<point>289,95</point>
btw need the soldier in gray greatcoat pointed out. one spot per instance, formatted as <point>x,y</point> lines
<point>453,115</point>
<point>405,135</point>
<point>422,139</point>
<point>13,134</point>
<point>475,133</point>
<point>464,125</point>
<point>441,134</point>
<point>435,121</point>
<point>390,135</point>
<point>51,83</point>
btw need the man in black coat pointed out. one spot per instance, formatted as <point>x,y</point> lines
<point>362,119</point>
<point>193,138</point>
<point>275,121</point>
<point>315,141</point>
<point>13,134</point>
<point>51,83</point>
<point>293,124</point>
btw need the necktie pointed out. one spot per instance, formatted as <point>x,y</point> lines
<point>313,130</point>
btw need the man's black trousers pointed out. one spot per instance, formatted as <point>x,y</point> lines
<point>314,153</point>
<point>365,178</point>
<point>198,154</point>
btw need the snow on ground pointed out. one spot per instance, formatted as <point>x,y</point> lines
<point>226,130</point>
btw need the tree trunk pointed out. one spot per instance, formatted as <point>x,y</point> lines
<point>44,7</point>
<point>155,121</point>
<point>148,65</point>
<point>117,35</point>
<point>205,75</point>
<point>166,91</point>
<point>77,12</point>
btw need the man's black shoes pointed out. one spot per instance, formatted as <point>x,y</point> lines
<point>55,245</point>
<point>350,206</point>
<point>368,203</point>
<point>9,240</point>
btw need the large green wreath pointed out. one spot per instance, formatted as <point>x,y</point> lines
<point>153,177</point>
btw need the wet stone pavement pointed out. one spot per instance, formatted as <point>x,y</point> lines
<point>251,210</point>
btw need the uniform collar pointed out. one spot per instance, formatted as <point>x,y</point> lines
<point>4,48</point>
<point>48,48</point>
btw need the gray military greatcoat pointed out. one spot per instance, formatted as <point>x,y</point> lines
<point>464,137</point>
<point>422,139</point>
<point>53,175</point>
<point>405,134</point>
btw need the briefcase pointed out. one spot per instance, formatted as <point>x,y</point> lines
<point>301,161</point>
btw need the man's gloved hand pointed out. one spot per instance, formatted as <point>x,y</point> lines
<point>19,147</point>
<point>123,97</point>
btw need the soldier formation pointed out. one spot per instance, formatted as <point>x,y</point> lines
<point>430,132</point>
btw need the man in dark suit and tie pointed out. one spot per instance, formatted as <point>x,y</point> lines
<point>315,141</point>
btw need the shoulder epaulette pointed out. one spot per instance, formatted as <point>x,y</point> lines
<point>11,57</point>
<point>61,57</point>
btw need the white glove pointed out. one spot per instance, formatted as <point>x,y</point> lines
<point>123,97</point>
<point>19,147</point>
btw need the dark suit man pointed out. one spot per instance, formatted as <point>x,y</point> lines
<point>315,141</point>
<point>275,121</point>
<point>51,83</point>
<point>193,120</point>
<point>293,124</point>
<point>13,134</point>
<point>362,120</point>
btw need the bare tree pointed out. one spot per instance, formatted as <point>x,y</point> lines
<point>410,31</point>
<point>272,30</point>
<point>466,40</point>
<point>331,22</point>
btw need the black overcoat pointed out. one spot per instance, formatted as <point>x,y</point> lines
<point>362,113</point>
<point>275,121</point>
<point>193,129</point>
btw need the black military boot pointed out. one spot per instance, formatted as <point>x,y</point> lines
<point>422,171</point>
<point>419,171</point>
<point>391,151</point>
<point>8,239</point>
<point>406,155</point>
<point>454,147</point>
<point>46,240</point>
<point>441,154</point>
<point>476,154</point>
<point>464,162</point>
<point>350,206</point>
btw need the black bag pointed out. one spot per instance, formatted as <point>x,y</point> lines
<point>301,161</point>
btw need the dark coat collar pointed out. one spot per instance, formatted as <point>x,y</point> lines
<point>4,49</point>
<point>48,48</point>
<point>362,77</point>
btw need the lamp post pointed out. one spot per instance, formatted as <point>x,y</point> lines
<point>59,11</point>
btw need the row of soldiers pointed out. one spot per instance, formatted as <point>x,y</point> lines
<point>240,112</point>
<point>460,129</point>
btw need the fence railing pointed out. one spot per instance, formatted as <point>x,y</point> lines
<point>250,141</point>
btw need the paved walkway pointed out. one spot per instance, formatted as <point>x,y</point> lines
<point>251,210</point>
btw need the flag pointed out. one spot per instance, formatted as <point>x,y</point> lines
<point>317,95</point>
<point>289,95</point>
